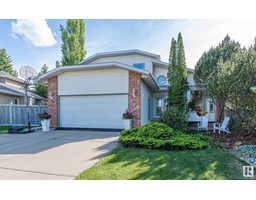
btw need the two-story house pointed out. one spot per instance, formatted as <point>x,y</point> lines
<point>12,92</point>
<point>95,93</point>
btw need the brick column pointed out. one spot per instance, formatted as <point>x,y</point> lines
<point>52,93</point>
<point>134,98</point>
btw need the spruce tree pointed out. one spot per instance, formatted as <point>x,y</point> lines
<point>6,63</point>
<point>44,69</point>
<point>73,41</point>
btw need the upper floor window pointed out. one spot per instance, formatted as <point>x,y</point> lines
<point>139,65</point>
<point>161,80</point>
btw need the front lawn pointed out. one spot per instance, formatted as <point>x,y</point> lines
<point>146,164</point>
<point>3,129</point>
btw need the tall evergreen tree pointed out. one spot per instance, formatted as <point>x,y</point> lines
<point>73,40</point>
<point>171,68</point>
<point>177,75</point>
<point>254,45</point>
<point>44,69</point>
<point>176,115</point>
<point>6,63</point>
<point>57,63</point>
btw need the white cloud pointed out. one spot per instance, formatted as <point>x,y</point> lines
<point>35,31</point>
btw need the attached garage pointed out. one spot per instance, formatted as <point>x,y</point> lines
<point>94,95</point>
<point>93,111</point>
<point>93,98</point>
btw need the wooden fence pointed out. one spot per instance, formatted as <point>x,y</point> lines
<point>17,115</point>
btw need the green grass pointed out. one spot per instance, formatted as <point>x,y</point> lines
<point>144,164</point>
<point>3,129</point>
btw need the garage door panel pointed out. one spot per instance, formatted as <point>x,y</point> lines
<point>100,111</point>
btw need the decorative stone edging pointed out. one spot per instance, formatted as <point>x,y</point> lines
<point>246,153</point>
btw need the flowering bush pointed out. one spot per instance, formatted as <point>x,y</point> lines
<point>201,113</point>
<point>45,115</point>
<point>127,115</point>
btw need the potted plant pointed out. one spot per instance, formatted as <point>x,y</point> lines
<point>127,118</point>
<point>202,114</point>
<point>45,120</point>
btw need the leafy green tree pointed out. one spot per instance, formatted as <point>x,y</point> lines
<point>177,113</point>
<point>6,63</point>
<point>40,88</point>
<point>73,40</point>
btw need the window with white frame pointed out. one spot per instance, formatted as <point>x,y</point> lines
<point>211,106</point>
<point>16,101</point>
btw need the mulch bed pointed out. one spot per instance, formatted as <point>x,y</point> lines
<point>235,139</point>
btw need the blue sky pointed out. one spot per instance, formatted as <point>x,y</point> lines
<point>35,42</point>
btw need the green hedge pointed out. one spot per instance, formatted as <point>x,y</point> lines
<point>154,135</point>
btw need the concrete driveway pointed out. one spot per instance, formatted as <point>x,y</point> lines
<point>52,155</point>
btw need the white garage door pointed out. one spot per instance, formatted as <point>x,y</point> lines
<point>99,111</point>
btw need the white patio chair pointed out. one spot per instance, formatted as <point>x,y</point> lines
<point>222,126</point>
<point>203,124</point>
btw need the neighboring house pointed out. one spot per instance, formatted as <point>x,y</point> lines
<point>12,92</point>
<point>95,93</point>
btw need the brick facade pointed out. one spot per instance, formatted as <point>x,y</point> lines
<point>52,93</point>
<point>134,98</point>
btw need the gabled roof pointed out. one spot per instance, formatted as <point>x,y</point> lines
<point>6,89</point>
<point>5,75</point>
<point>104,65</point>
<point>119,53</point>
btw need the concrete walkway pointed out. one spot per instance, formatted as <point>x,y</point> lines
<point>52,155</point>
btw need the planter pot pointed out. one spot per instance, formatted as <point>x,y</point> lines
<point>45,124</point>
<point>204,122</point>
<point>127,124</point>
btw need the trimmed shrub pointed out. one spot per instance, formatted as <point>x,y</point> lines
<point>154,135</point>
<point>174,118</point>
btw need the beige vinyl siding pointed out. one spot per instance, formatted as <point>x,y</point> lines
<point>129,60</point>
<point>7,99</point>
<point>103,81</point>
<point>13,83</point>
<point>158,71</point>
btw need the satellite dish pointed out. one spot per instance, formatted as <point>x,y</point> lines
<point>27,72</point>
